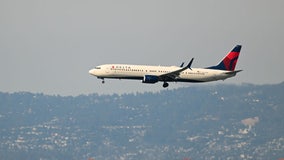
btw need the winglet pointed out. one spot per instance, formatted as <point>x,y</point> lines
<point>182,64</point>
<point>189,64</point>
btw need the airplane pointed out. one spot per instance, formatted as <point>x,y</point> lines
<point>153,74</point>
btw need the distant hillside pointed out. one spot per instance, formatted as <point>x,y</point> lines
<point>210,122</point>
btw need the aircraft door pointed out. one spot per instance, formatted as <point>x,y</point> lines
<point>107,70</point>
<point>110,70</point>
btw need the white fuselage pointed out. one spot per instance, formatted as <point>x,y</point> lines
<point>126,71</point>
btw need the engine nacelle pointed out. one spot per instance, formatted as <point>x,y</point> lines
<point>150,79</point>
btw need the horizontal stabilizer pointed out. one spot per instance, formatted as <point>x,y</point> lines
<point>233,72</point>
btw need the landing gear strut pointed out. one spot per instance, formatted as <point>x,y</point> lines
<point>103,81</point>
<point>165,85</point>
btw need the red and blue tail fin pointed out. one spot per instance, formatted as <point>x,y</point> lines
<point>229,62</point>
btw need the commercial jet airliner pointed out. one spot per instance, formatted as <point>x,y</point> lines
<point>153,74</point>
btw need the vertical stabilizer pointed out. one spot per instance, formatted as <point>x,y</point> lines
<point>229,62</point>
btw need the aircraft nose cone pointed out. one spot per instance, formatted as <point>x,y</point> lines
<point>92,72</point>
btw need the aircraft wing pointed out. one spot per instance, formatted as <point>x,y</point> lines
<point>174,74</point>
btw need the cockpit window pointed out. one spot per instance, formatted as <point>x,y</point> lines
<point>98,68</point>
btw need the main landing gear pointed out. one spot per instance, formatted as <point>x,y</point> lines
<point>165,85</point>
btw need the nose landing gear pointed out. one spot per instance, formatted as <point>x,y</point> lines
<point>103,80</point>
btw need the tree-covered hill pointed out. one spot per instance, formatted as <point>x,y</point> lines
<point>200,122</point>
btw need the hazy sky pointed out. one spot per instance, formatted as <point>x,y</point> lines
<point>49,45</point>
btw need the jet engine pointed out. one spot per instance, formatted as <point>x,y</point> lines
<point>150,79</point>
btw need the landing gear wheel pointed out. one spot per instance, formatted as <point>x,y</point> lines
<point>103,81</point>
<point>165,85</point>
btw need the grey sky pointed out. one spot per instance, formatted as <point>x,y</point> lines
<point>49,45</point>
